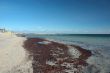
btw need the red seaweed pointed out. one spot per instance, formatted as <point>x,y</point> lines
<point>44,52</point>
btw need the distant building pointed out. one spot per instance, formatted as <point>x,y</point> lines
<point>2,30</point>
<point>6,32</point>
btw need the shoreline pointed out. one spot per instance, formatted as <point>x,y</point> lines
<point>31,55</point>
<point>19,54</point>
<point>49,56</point>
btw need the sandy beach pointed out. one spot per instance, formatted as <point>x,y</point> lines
<point>13,57</point>
<point>35,55</point>
<point>54,36</point>
<point>38,55</point>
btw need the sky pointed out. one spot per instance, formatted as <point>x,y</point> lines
<point>56,16</point>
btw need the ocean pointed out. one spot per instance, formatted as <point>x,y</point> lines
<point>89,39</point>
<point>99,44</point>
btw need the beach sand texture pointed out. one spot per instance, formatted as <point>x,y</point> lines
<point>12,54</point>
<point>35,55</point>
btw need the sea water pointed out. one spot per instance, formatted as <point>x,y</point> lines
<point>99,44</point>
<point>87,39</point>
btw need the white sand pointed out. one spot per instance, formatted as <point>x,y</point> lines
<point>44,42</point>
<point>74,52</point>
<point>12,54</point>
<point>50,63</point>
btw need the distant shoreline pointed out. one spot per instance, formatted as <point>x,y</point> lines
<point>88,35</point>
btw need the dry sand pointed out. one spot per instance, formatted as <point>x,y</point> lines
<point>13,57</point>
<point>37,55</point>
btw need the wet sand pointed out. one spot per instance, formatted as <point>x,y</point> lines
<point>53,57</point>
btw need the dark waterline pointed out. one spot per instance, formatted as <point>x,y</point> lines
<point>81,35</point>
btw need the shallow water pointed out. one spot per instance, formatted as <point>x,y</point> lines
<point>99,44</point>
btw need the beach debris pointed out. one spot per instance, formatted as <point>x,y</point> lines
<point>54,57</point>
<point>44,42</point>
<point>74,52</point>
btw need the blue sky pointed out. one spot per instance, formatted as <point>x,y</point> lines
<point>56,16</point>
